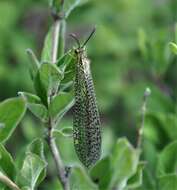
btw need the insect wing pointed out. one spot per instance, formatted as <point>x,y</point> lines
<point>87,134</point>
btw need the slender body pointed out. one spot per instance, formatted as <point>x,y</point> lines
<point>87,133</point>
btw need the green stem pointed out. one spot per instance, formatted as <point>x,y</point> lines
<point>61,44</point>
<point>143,113</point>
<point>4,179</point>
<point>57,35</point>
<point>55,40</point>
<point>61,172</point>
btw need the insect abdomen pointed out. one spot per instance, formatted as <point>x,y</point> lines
<point>87,133</point>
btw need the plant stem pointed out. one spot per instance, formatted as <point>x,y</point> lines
<point>143,113</point>
<point>61,45</point>
<point>61,172</point>
<point>55,40</point>
<point>4,179</point>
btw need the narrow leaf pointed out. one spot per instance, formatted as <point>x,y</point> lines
<point>47,48</point>
<point>34,63</point>
<point>40,90</point>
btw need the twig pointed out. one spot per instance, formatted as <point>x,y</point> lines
<point>55,40</point>
<point>61,172</point>
<point>61,45</point>
<point>4,179</point>
<point>147,93</point>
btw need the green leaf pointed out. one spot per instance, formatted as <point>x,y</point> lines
<point>167,122</point>
<point>70,5</point>
<point>7,165</point>
<point>98,174</point>
<point>66,7</point>
<point>67,66</point>
<point>35,105</point>
<point>30,98</point>
<point>37,148</point>
<point>11,112</point>
<point>66,87</point>
<point>136,180</point>
<point>34,64</point>
<point>65,132</point>
<point>173,47</point>
<point>149,180</point>
<point>50,77</point>
<point>80,180</point>
<point>46,55</point>
<point>47,48</point>
<point>167,162</point>
<point>31,171</point>
<point>167,182</point>
<point>124,163</point>
<point>47,81</point>
<point>60,105</point>
<point>40,90</point>
<point>66,62</point>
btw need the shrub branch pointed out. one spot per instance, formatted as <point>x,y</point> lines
<point>4,179</point>
<point>61,171</point>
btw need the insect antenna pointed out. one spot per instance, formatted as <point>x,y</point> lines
<point>91,34</point>
<point>76,39</point>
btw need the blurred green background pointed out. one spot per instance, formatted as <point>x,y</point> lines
<point>129,52</point>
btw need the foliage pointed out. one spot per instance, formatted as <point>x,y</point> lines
<point>127,56</point>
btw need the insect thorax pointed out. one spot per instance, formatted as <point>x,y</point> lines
<point>82,60</point>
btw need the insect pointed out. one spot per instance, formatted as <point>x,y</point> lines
<point>86,124</point>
